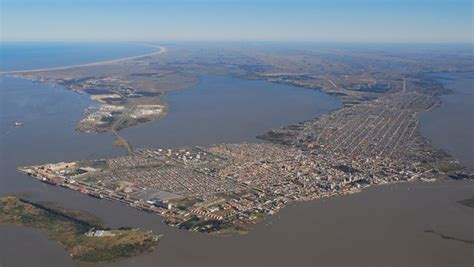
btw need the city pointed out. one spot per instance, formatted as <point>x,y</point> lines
<point>242,133</point>
<point>223,189</point>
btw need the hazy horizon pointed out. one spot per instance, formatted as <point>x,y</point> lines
<point>359,21</point>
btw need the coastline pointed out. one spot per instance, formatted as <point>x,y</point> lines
<point>265,222</point>
<point>453,103</point>
<point>352,186</point>
<point>81,234</point>
<point>161,50</point>
<point>399,93</point>
<point>288,205</point>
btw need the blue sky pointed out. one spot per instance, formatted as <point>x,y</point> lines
<point>274,20</point>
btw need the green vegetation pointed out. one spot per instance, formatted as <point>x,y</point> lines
<point>211,226</point>
<point>72,229</point>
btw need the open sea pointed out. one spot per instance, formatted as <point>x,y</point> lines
<point>33,55</point>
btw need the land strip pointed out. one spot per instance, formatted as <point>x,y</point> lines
<point>83,236</point>
<point>161,50</point>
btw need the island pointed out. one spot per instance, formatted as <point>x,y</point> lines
<point>82,235</point>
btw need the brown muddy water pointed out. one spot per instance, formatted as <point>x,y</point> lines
<point>382,226</point>
<point>451,126</point>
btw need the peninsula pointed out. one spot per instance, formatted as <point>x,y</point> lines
<point>82,235</point>
<point>373,139</point>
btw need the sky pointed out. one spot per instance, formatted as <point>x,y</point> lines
<point>406,21</point>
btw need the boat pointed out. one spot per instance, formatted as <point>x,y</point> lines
<point>48,181</point>
<point>18,124</point>
<point>96,195</point>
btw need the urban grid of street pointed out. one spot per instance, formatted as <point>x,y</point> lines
<point>373,139</point>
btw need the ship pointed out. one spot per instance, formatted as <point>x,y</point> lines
<point>48,181</point>
<point>18,124</point>
<point>96,195</point>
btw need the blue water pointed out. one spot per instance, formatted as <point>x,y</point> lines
<point>25,56</point>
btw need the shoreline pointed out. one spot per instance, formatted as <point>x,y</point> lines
<point>274,218</point>
<point>161,50</point>
<point>83,236</point>
<point>340,191</point>
<point>143,206</point>
<point>448,92</point>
